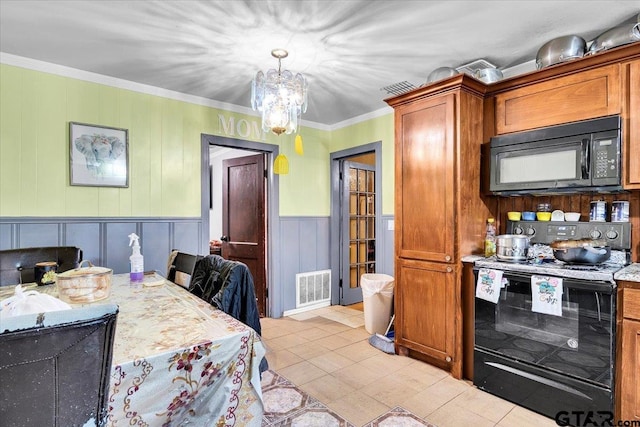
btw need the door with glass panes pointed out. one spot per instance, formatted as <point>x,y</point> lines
<point>358,231</point>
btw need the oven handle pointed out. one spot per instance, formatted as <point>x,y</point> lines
<point>606,288</point>
<point>539,379</point>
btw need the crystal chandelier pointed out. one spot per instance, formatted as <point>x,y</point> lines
<point>280,96</point>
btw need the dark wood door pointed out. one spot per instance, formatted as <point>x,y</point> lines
<point>244,219</point>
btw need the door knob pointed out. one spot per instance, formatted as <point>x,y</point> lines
<point>224,238</point>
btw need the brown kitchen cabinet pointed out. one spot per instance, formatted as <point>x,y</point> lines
<point>580,96</point>
<point>427,303</point>
<point>439,214</point>
<point>631,124</point>
<point>628,361</point>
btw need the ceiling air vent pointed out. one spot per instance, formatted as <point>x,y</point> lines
<point>399,88</point>
<point>473,66</point>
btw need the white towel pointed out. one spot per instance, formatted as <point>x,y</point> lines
<point>489,283</point>
<point>546,295</point>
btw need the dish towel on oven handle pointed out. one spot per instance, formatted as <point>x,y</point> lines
<point>546,295</point>
<point>489,284</point>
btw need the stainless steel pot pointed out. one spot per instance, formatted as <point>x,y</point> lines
<point>488,75</point>
<point>561,49</point>
<point>441,73</point>
<point>512,247</point>
<point>616,36</point>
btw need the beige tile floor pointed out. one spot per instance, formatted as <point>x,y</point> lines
<point>326,353</point>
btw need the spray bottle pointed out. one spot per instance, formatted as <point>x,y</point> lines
<point>137,261</point>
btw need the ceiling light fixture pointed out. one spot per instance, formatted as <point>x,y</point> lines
<point>280,96</point>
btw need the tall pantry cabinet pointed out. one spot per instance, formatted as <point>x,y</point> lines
<point>439,214</point>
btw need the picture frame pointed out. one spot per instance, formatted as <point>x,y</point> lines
<point>98,155</point>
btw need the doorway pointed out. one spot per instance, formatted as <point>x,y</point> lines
<point>355,219</point>
<point>226,163</point>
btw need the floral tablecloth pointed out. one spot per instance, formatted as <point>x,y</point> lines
<point>179,361</point>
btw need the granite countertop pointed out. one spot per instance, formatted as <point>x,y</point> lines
<point>472,258</point>
<point>630,273</point>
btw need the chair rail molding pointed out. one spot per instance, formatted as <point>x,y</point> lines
<point>104,240</point>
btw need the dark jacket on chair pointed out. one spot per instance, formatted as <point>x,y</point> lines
<point>228,286</point>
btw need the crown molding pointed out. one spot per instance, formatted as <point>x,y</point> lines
<point>74,73</point>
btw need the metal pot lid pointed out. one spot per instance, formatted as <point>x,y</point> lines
<point>512,237</point>
<point>86,271</point>
<point>577,243</point>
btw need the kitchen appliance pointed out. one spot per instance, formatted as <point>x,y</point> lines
<point>577,157</point>
<point>581,251</point>
<point>560,49</point>
<point>548,362</point>
<point>617,36</point>
<point>511,247</point>
<point>441,73</point>
<point>488,75</point>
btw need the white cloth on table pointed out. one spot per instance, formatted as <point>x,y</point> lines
<point>30,302</point>
<point>546,295</point>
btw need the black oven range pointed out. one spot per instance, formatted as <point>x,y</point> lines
<point>548,342</point>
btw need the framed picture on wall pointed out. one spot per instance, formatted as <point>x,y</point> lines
<point>99,155</point>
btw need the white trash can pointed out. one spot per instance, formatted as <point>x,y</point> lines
<point>377,299</point>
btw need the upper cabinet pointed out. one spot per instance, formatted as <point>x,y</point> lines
<point>580,96</point>
<point>425,175</point>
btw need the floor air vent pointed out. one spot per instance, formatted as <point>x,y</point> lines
<point>313,288</point>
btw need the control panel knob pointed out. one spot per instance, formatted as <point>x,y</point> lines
<point>612,234</point>
<point>595,234</point>
<point>531,231</point>
<point>518,230</point>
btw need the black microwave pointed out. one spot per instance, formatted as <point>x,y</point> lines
<point>576,157</point>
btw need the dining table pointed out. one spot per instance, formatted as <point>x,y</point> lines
<point>177,360</point>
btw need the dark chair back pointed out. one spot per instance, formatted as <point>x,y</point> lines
<point>55,367</point>
<point>181,266</point>
<point>17,265</point>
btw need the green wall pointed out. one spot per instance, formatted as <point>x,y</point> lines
<point>164,150</point>
<point>374,130</point>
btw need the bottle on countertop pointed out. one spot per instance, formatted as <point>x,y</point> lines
<point>136,259</point>
<point>490,239</point>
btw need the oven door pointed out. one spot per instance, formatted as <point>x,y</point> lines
<point>550,364</point>
<point>579,344</point>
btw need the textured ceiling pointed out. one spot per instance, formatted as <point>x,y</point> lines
<point>348,50</point>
